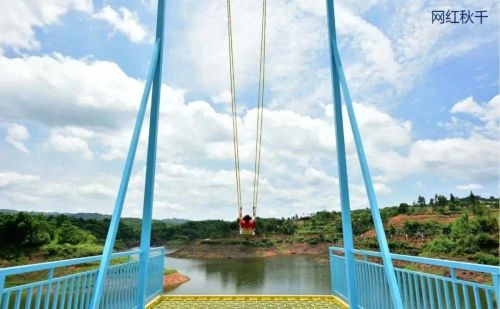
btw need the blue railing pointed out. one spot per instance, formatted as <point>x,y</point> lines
<point>75,290</point>
<point>418,290</point>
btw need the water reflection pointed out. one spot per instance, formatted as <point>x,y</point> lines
<point>277,275</point>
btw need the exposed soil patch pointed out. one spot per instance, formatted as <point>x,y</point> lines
<point>399,220</point>
<point>173,280</point>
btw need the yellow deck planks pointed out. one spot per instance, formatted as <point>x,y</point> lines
<point>247,301</point>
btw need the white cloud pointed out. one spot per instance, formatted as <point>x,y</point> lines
<point>10,179</point>
<point>195,156</point>
<point>382,188</point>
<point>125,21</point>
<point>76,92</point>
<point>469,187</point>
<point>85,109</point>
<point>488,113</point>
<point>16,136</point>
<point>71,141</point>
<point>458,157</point>
<point>19,18</point>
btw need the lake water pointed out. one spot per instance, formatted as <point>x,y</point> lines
<point>294,275</point>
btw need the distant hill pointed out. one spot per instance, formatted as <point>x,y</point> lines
<point>175,221</point>
<point>89,216</point>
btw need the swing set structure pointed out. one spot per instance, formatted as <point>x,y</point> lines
<point>360,279</point>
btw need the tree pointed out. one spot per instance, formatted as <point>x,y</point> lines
<point>452,206</point>
<point>421,200</point>
<point>70,234</point>
<point>403,208</point>
<point>472,198</point>
<point>442,201</point>
<point>392,230</point>
<point>452,198</point>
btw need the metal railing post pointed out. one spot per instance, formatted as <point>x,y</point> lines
<point>2,284</point>
<point>496,284</point>
<point>453,275</point>
<point>49,287</point>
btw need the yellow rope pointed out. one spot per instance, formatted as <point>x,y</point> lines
<point>260,110</point>
<point>233,108</point>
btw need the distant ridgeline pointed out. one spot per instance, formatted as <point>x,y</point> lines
<point>442,226</point>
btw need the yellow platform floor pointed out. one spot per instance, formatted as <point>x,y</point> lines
<point>248,301</point>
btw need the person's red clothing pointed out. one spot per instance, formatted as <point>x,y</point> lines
<point>247,225</point>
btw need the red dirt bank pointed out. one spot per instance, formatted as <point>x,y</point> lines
<point>173,280</point>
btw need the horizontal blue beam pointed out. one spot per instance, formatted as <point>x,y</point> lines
<point>429,261</point>
<point>9,271</point>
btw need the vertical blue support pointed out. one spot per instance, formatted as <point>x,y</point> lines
<point>342,164</point>
<point>379,228</point>
<point>147,211</point>
<point>372,198</point>
<point>122,192</point>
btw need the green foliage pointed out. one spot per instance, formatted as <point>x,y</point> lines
<point>472,236</point>
<point>169,271</point>
<point>415,228</point>
<point>70,234</point>
<point>440,245</point>
<point>403,208</point>
<point>54,250</point>
<point>486,258</point>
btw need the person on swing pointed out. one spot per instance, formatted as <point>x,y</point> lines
<point>247,225</point>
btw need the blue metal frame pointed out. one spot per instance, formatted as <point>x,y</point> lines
<point>122,192</point>
<point>75,290</point>
<point>338,75</point>
<point>418,290</point>
<point>342,162</point>
<point>359,281</point>
<point>154,79</point>
<point>147,212</point>
<point>372,198</point>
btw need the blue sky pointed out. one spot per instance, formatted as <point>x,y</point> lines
<point>71,76</point>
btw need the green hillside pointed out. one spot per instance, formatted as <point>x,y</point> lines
<point>446,227</point>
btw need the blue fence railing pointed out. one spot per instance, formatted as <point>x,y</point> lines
<point>75,290</point>
<point>418,289</point>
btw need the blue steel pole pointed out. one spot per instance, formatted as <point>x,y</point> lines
<point>372,198</point>
<point>122,192</point>
<point>147,211</point>
<point>342,165</point>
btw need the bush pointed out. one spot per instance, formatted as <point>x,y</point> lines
<point>486,258</point>
<point>211,242</point>
<point>169,271</point>
<point>486,241</point>
<point>312,241</point>
<point>71,251</point>
<point>439,245</point>
<point>70,234</point>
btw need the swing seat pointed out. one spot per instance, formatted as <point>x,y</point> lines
<point>247,227</point>
<point>247,231</point>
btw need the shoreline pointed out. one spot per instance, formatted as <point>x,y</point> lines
<point>218,251</point>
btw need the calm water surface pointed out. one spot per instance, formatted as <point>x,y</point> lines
<point>274,275</point>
